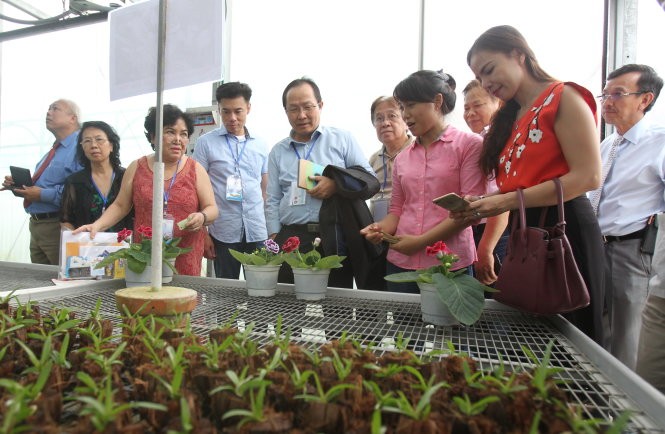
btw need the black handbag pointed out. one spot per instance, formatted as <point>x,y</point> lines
<point>539,273</point>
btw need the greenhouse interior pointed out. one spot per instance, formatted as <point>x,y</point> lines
<point>240,286</point>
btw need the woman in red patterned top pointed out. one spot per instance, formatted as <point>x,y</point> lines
<point>544,130</point>
<point>187,190</point>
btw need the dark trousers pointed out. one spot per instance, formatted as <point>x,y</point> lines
<point>339,277</point>
<point>226,266</point>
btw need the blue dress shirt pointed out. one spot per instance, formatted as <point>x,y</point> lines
<point>213,153</point>
<point>330,146</point>
<point>52,181</point>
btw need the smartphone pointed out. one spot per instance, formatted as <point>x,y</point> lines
<point>451,202</point>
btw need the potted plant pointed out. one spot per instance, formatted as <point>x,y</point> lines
<point>140,296</point>
<point>447,297</point>
<point>261,268</point>
<point>138,256</point>
<point>310,270</point>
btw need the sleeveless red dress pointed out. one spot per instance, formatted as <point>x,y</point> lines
<point>183,200</point>
<point>533,154</point>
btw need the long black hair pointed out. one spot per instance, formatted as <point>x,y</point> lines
<point>112,137</point>
<point>506,40</point>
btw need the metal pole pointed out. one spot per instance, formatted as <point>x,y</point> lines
<point>158,166</point>
<point>421,37</point>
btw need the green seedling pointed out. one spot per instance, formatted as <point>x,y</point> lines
<point>473,408</point>
<point>542,373</point>
<point>400,404</point>
<point>240,384</point>
<point>256,407</point>
<point>324,396</point>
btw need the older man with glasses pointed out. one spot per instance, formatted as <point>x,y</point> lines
<point>294,211</point>
<point>631,194</point>
<point>42,199</point>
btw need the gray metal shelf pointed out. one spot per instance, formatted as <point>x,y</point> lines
<point>600,384</point>
<point>17,275</point>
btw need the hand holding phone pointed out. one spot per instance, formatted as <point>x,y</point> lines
<point>451,202</point>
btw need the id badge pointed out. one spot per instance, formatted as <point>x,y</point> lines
<point>234,188</point>
<point>167,226</point>
<point>379,208</point>
<point>298,195</point>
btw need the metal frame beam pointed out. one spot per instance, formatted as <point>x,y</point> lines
<point>27,8</point>
<point>53,26</point>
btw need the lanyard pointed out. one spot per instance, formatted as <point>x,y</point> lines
<point>236,160</point>
<point>105,199</point>
<point>168,191</point>
<point>385,170</point>
<point>308,152</point>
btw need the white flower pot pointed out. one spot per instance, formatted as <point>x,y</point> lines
<point>261,280</point>
<point>143,279</point>
<point>433,309</point>
<point>310,284</point>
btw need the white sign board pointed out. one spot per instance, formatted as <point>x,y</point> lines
<point>193,52</point>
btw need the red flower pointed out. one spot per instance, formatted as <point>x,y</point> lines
<point>124,234</point>
<point>437,247</point>
<point>145,231</point>
<point>291,244</point>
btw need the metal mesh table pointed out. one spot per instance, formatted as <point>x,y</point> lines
<point>601,385</point>
<point>16,275</point>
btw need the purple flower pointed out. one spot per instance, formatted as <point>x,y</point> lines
<point>271,246</point>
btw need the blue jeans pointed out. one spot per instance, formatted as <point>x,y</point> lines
<point>226,266</point>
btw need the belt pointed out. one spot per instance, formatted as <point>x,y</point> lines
<point>307,227</point>
<point>45,215</point>
<point>632,236</point>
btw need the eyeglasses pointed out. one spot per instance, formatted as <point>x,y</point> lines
<point>390,117</point>
<point>97,140</point>
<point>615,96</point>
<point>474,107</point>
<point>309,108</point>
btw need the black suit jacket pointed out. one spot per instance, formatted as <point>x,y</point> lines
<point>348,211</point>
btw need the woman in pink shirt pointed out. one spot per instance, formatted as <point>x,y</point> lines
<point>442,160</point>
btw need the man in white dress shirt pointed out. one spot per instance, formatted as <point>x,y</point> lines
<point>632,192</point>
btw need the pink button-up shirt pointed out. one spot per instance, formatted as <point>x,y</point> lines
<point>448,165</point>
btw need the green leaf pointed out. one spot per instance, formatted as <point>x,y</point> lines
<point>463,295</point>
<point>136,266</point>
<point>332,261</point>
<point>408,276</point>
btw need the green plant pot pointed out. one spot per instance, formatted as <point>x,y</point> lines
<point>310,284</point>
<point>433,309</point>
<point>261,280</point>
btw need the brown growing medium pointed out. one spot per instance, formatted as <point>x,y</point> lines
<point>208,387</point>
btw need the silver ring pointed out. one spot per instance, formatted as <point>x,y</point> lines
<point>477,214</point>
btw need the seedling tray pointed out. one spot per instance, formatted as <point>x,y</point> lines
<point>601,385</point>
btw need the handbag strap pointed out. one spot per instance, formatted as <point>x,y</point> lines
<point>561,224</point>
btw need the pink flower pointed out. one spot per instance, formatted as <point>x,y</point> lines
<point>291,244</point>
<point>124,234</point>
